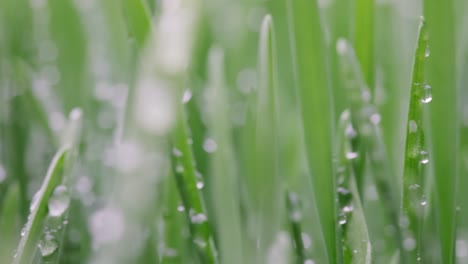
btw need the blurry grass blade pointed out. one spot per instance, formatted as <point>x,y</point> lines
<point>357,247</point>
<point>295,216</point>
<point>188,182</point>
<point>138,20</point>
<point>224,171</point>
<point>313,91</point>
<point>10,223</point>
<point>366,119</point>
<point>414,201</point>
<point>444,118</point>
<point>364,38</point>
<point>33,228</point>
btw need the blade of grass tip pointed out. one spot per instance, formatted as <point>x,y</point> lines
<point>366,119</point>
<point>10,223</point>
<point>138,20</point>
<point>309,64</point>
<point>357,247</point>
<point>52,239</point>
<point>364,38</point>
<point>413,198</point>
<point>33,228</point>
<point>224,172</point>
<point>444,121</point>
<point>189,182</point>
<point>295,216</point>
<point>264,172</point>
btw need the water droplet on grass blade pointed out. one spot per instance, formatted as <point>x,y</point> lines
<point>351,155</point>
<point>409,243</point>
<point>210,145</point>
<point>47,245</point>
<point>424,157</point>
<point>187,96</point>
<point>412,126</point>
<point>59,201</point>
<point>426,94</point>
<point>427,52</point>
<point>200,185</point>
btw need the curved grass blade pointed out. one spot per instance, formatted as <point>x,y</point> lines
<point>224,172</point>
<point>357,247</point>
<point>309,64</point>
<point>413,199</point>
<point>366,119</point>
<point>33,228</point>
<point>444,118</point>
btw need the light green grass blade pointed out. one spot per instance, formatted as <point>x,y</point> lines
<point>364,38</point>
<point>444,113</point>
<point>223,165</point>
<point>313,91</point>
<point>357,247</point>
<point>366,119</point>
<point>413,199</point>
<point>33,228</point>
<point>138,20</point>
<point>189,183</point>
<point>10,223</point>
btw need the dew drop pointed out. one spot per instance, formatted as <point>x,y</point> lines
<point>424,157</point>
<point>350,131</point>
<point>414,186</point>
<point>180,169</point>
<point>59,201</point>
<point>375,119</point>
<point>48,245</point>
<point>409,243</point>
<point>309,261</point>
<point>296,216</point>
<point>198,218</point>
<point>176,152</point>
<point>348,209</point>
<point>180,208</point>
<point>342,220</point>
<point>200,185</point>
<point>427,52</point>
<point>413,126</point>
<point>210,145</point>
<point>351,155</point>
<point>187,96</point>
<point>424,203</point>
<point>427,94</point>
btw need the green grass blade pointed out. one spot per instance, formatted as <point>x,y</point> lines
<point>224,172</point>
<point>366,119</point>
<point>138,20</point>
<point>357,247</point>
<point>309,64</point>
<point>189,183</point>
<point>295,216</point>
<point>413,199</point>
<point>364,38</point>
<point>33,228</point>
<point>444,113</point>
<point>10,223</point>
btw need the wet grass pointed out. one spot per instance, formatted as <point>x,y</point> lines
<point>249,131</point>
